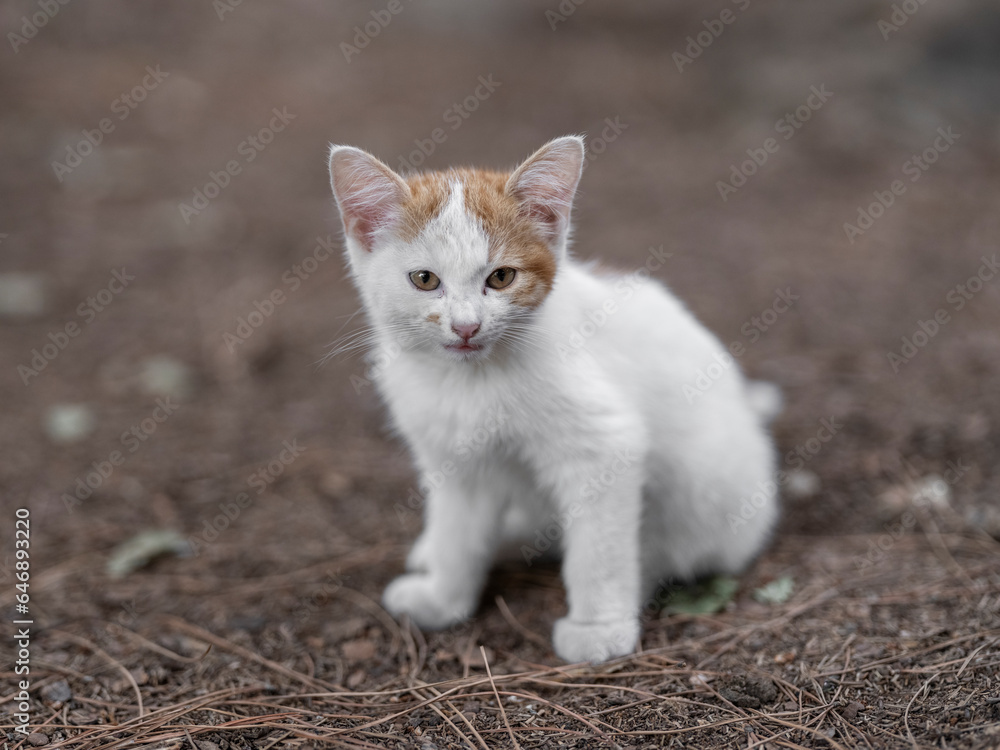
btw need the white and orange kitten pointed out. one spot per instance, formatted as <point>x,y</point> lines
<point>466,279</point>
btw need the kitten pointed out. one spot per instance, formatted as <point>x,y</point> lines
<point>545,400</point>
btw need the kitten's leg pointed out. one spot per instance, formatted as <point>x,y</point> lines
<point>601,564</point>
<point>452,556</point>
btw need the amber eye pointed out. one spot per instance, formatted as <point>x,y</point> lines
<point>425,280</point>
<point>500,278</point>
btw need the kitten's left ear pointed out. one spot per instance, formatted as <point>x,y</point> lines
<point>546,183</point>
<point>369,194</point>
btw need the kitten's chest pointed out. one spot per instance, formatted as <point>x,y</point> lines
<point>463,414</point>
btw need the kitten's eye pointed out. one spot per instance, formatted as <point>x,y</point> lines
<point>425,280</point>
<point>500,278</point>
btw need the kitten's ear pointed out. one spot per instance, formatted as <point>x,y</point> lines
<point>546,184</point>
<point>369,194</point>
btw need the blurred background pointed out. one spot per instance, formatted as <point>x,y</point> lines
<point>165,211</point>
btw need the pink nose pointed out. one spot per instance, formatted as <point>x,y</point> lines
<point>466,330</point>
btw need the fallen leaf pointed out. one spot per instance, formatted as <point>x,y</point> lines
<point>777,591</point>
<point>703,599</point>
<point>143,548</point>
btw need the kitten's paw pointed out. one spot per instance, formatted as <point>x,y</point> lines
<point>423,598</point>
<point>418,561</point>
<point>594,641</point>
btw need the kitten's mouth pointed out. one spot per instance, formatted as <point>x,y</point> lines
<point>463,347</point>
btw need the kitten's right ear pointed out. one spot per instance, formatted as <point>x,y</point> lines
<point>546,183</point>
<point>369,194</point>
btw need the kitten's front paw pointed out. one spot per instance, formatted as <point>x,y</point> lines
<point>419,559</point>
<point>423,598</point>
<point>594,642</point>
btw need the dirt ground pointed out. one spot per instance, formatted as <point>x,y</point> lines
<point>152,379</point>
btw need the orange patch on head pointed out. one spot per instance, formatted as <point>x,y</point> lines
<point>428,194</point>
<point>433,318</point>
<point>514,240</point>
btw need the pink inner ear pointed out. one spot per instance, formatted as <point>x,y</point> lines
<point>370,195</point>
<point>546,184</point>
<point>540,213</point>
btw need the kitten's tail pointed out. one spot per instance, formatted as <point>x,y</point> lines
<point>765,398</point>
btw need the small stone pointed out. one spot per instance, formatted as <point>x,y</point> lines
<point>895,499</point>
<point>131,489</point>
<point>57,692</point>
<point>361,649</point>
<point>802,483</point>
<point>334,484</point>
<point>69,423</point>
<point>851,710</point>
<point>37,739</point>
<point>355,678</point>
<point>140,675</point>
<point>163,375</point>
<point>931,490</point>
<point>22,295</point>
<point>699,679</point>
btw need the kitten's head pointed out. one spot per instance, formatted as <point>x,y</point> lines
<point>455,262</point>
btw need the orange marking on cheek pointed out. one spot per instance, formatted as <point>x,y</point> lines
<point>536,272</point>
<point>514,241</point>
<point>433,318</point>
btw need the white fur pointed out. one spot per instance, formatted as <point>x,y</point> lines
<point>573,421</point>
